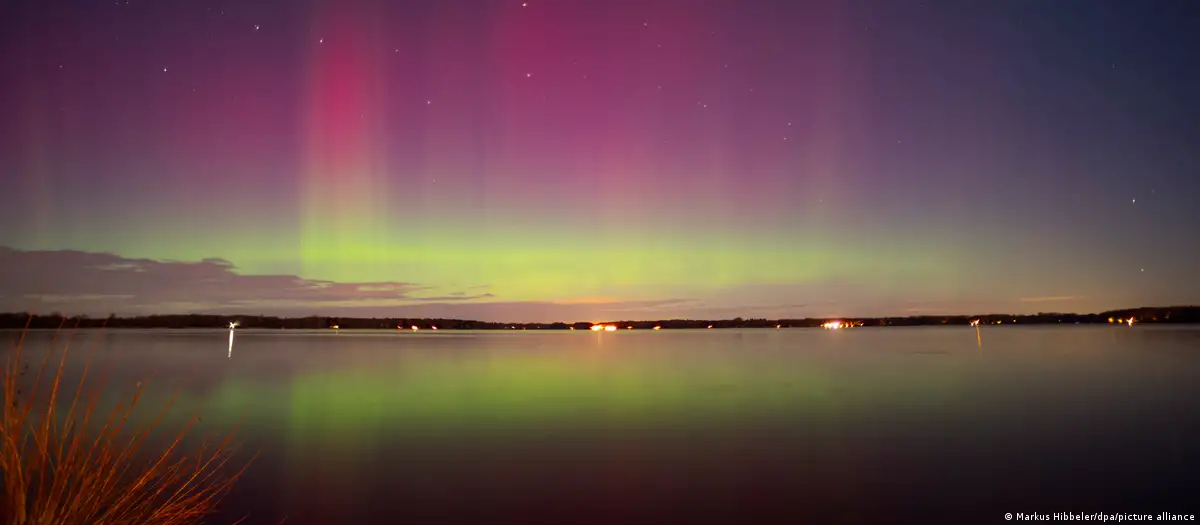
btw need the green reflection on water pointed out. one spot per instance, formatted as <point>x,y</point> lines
<point>522,391</point>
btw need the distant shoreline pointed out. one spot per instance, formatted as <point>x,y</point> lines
<point>1142,315</point>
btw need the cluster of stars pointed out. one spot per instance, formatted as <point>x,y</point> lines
<point>702,105</point>
<point>528,74</point>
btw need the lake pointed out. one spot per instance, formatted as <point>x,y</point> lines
<point>867,425</point>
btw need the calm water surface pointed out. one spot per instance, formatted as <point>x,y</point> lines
<point>754,426</point>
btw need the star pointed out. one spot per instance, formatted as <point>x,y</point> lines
<point>321,41</point>
<point>1134,201</point>
<point>524,4</point>
<point>256,27</point>
<point>164,70</point>
<point>528,75</point>
<point>428,102</point>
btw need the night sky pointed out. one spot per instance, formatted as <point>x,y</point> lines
<point>570,160</point>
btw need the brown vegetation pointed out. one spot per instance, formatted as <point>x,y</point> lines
<point>81,466</point>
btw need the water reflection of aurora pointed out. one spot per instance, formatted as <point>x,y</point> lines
<point>516,391</point>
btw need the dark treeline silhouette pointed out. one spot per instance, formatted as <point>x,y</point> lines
<point>1172,314</point>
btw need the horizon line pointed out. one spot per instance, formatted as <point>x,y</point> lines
<point>711,320</point>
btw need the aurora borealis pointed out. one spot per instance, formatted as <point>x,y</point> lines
<point>567,160</point>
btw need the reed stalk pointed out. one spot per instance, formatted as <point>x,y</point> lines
<point>85,465</point>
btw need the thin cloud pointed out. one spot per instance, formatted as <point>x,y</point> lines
<point>81,280</point>
<point>644,306</point>
<point>455,296</point>
<point>77,282</point>
<point>49,298</point>
<point>587,300</point>
<point>1049,299</point>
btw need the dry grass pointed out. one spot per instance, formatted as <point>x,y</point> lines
<point>82,466</point>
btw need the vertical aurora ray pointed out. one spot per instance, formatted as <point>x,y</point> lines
<point>33,149</point>
<point>703,155</point>
<point>344,190</point>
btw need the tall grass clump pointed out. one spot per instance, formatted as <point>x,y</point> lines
<point>68,462</point>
